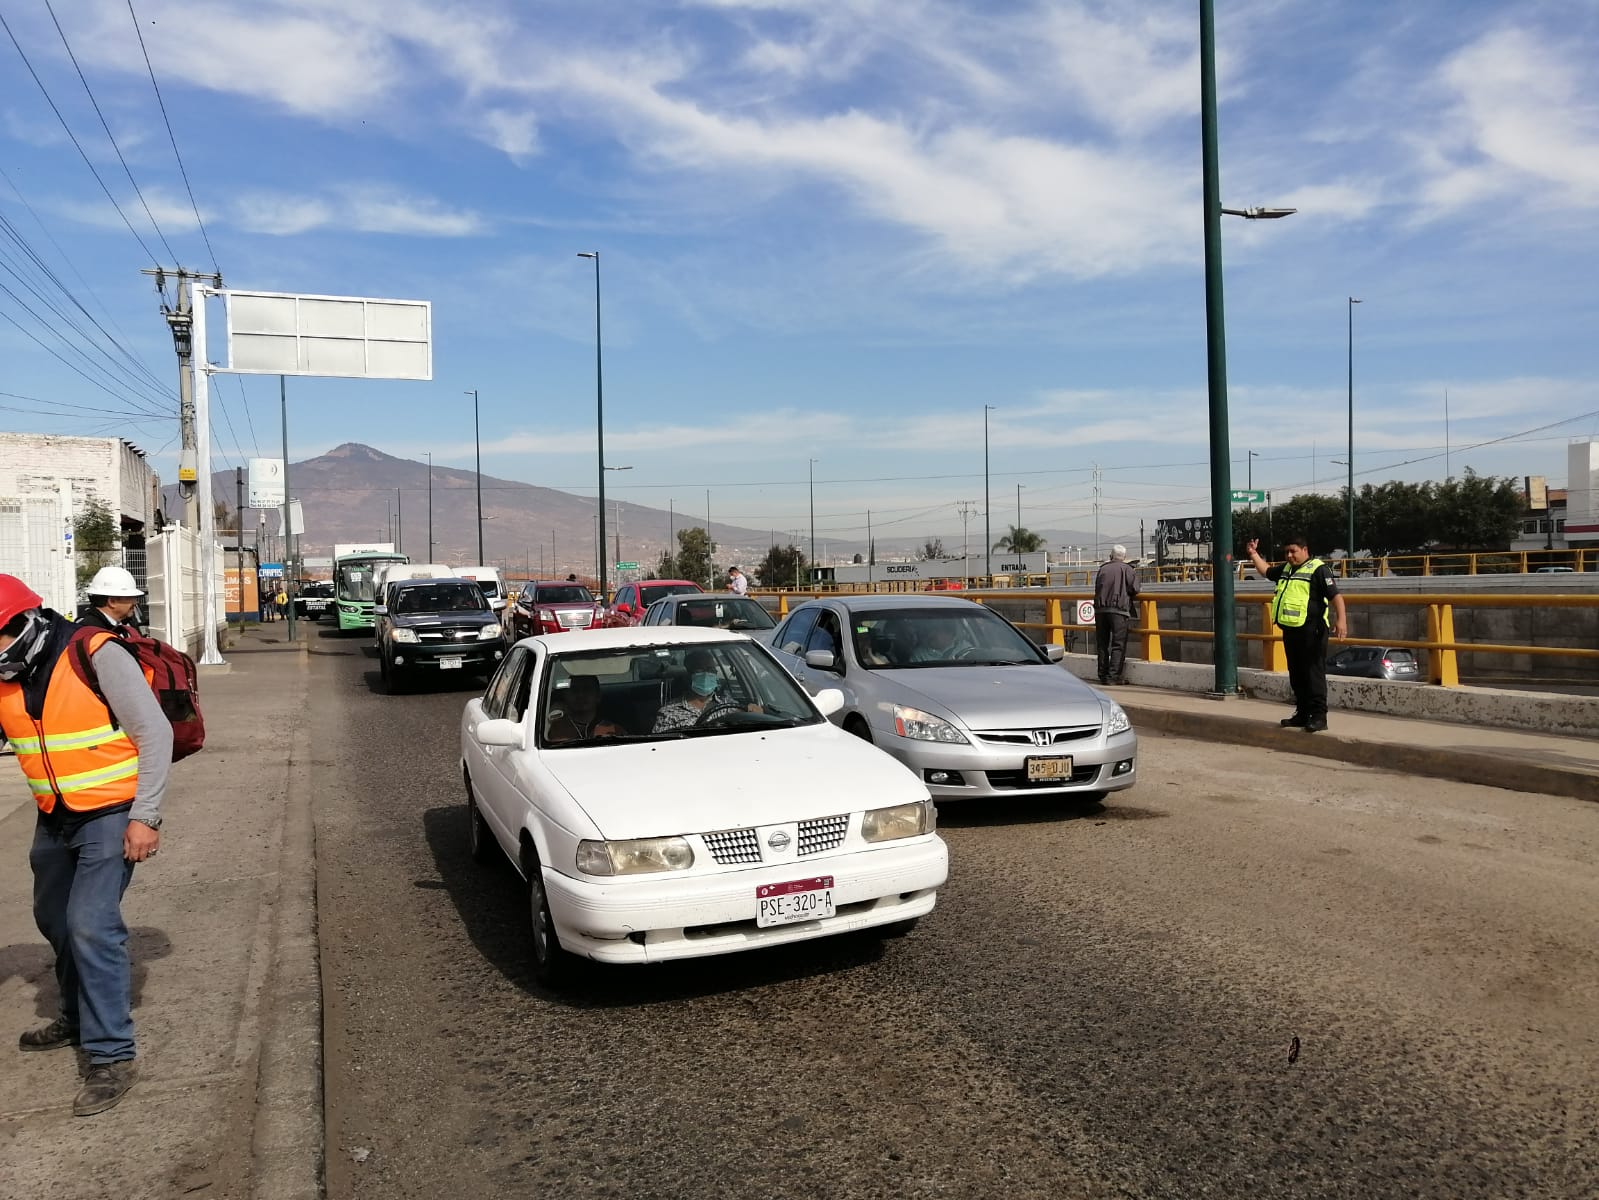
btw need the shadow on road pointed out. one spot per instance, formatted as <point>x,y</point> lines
<point>430,685</point>
<point>493,909</point>
<point>1024,811</point>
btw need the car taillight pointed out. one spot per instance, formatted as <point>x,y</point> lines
<point>1385,662</point>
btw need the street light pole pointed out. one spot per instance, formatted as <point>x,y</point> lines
<point>988,531</point>
<point>428,557</point>
<point>477,447</point>
<point>1253,455</point>
<point>1221,512</point>
<point>812,469</point>
<point>599,410</point>
<point>1349,499</point>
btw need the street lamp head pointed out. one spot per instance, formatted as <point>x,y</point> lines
<point>1260,213</point>
<point>1352,300</point>
<point>588,253</point>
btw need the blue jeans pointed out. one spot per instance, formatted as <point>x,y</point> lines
<point>78,881</point>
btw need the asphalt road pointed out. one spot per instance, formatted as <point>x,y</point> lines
<point>1102,1004</point>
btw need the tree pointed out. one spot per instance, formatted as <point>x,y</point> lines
<point>1477,512</point>
<point>223,515</point>
<point>666,568</point>
<point>1019,540</point>
<point>932,548</point>
<point>694,550</point>
<point>783,566</point>
<point>94,540</point>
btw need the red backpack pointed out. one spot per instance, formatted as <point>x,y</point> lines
<point>170,673</point>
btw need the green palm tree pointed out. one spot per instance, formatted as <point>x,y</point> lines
<point>1020,540</point>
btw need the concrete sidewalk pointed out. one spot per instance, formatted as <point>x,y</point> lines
<point>225,985</point>
<point>1550,764</point>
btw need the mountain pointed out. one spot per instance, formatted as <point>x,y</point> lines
<point>349,494</point>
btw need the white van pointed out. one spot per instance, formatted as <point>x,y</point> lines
<point>489,580</point>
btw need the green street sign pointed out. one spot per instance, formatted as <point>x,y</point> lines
<point>1241,496</point>
<point>627,566</point>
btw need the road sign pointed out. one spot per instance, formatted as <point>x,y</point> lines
<point>1240,496</point>
<point>1085,612</point>
<point>279,333</point>
<point>266,483</point>
<point>627,566</point>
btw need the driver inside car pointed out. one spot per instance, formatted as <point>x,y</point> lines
<point>940,641</point>
<point>704,700</point>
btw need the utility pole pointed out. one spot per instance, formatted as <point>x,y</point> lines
<point>618,534</point>
<point>399,521</point>
<point>1098,477</point>
<point>428,557</point>
<point>710,546</point>
<point>988,504</point>
<point>288,529</point>
<point>238,533</point>
<point>180,319</point>
<point>965,508</point>
<point>477,449</point>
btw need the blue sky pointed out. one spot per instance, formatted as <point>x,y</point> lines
<point>836,229</point>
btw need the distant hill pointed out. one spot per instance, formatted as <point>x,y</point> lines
<point>348,493</point>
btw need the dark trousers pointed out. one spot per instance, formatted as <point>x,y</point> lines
<point>1306,648</point>
<point>1110,639</point>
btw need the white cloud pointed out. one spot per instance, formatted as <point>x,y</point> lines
<point>280,215</point>
<point>1521,122</point>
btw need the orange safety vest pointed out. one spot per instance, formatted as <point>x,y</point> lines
<point>75,754</point>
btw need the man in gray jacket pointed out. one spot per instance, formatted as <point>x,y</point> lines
<point>1115,593</point>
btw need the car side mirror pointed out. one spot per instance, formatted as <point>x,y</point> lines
<point>1054,653</point>
<point>625,609</point>
<point>381,610</point>
<point>498,732</point>
<point>822,660</point>
<point>829,700</point>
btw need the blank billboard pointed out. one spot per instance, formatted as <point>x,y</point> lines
<point>349,337</point>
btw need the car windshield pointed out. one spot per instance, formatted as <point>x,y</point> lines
<point>938,637</point>
<point>438,598</point>
<point>650,593</point>
<point>356,582</point>
<point>489,588</point>
<point>720,613</point>
<point>663,693</point>
<point>566,593</point>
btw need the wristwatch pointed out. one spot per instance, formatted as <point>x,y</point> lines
<point>152,822</point>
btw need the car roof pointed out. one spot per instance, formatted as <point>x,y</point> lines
<point>701,597</point>
<point>403,584</point>
<point>636,635</point>
<point>863,603</point>
<point>659,582</point>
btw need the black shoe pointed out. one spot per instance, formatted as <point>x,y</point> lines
<point>1316,725</point>
<point>53,1036</point>
<point>1297,721</point>
<point>105,1086</point>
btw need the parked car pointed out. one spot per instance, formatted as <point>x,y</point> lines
<point>713,610</point>
<point>430,626</point>
<point>1555,571</point>
<point>550,606</point>
<point>312,599</point>
<point>817,834</point>
<point>1375,662</point>
<point>960,696</point>
<point>631,600</point>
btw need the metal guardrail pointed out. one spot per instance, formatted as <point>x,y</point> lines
<point>1496,562</point>
<point>1443,649</point>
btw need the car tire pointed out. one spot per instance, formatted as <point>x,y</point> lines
<point>479,837</point>
<point>897,929</point>
<point>553,966</point>
<point>393,681</point>
<point>858,726</point>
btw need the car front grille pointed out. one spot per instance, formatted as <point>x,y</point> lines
<point>732,846</point>
<point>822,834</point>
<point>1024,737</point>
<point>575,620</point>
<point>447,635</point>
<point>1017,781</point>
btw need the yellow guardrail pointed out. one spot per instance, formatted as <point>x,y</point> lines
<point>1496,562</point>
<point>1443,649</point>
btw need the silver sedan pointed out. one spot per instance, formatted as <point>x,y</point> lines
<point>960,696</point>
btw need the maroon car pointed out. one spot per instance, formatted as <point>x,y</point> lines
<point>631,599</point>
<point>553,606</point>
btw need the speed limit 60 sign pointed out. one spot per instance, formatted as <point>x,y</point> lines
<point>1085,612</point>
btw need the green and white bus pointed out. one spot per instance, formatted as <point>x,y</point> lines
<point>354,573</point>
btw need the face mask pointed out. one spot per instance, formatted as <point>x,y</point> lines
<point>18,658</point>
<point>703,683</point>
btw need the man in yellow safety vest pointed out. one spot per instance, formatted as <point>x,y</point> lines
<point>1306,607</point>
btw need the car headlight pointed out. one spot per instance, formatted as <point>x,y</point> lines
<point>1115,719</point>
<point>547,615</point>
<point>639,856</point>
<point>488,631</point>
<point>901,821</point>
<point>924,726</point>
<point>403,635</point>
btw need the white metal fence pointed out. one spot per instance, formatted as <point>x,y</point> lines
<point>176,589</point>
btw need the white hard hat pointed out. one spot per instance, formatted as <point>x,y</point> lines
<point>113,581</point>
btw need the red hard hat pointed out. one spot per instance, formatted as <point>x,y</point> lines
<point>16,597</point>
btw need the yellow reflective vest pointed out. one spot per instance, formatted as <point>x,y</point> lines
<point>1290,607</point>
<point>73,754</point>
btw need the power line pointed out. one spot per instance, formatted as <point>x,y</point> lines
<point>175,153</point>
<point>74,138</point>
<point>104,124</point>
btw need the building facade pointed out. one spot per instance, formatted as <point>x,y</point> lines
<point>110,471</point>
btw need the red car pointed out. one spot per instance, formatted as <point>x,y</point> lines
<point>553,606</point>
<point>631,599</point>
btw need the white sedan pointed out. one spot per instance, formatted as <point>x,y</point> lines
<point>669,792</point>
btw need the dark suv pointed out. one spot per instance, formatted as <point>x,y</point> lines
<point>430,626</point>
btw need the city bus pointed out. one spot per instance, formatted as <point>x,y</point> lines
<point>354,572</point>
